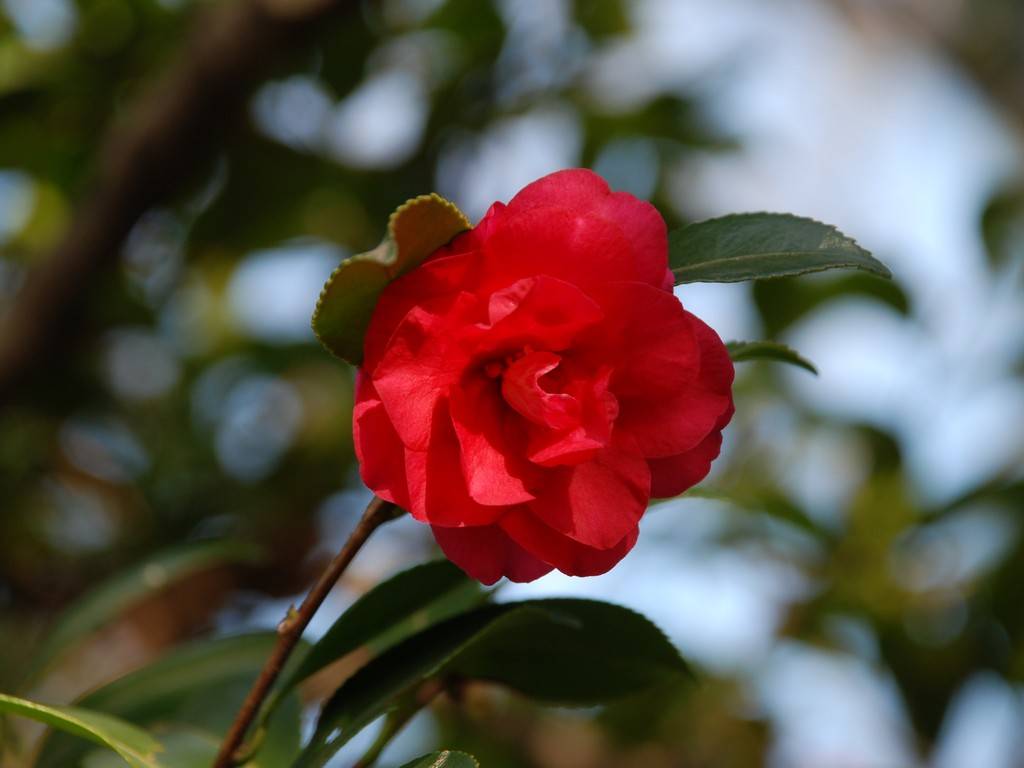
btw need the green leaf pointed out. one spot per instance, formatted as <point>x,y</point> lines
<point>757,246</point>
<point>742,351</point>
<point>127,588</point>
<point>201,684</point>
<point>562,651</point>
<point>551,650</point>
<point>135,746</point>
<point>188,747</point>
<point>446,759</point>
<point>182,748</point>
<point>389,613</point>
<point>415,230</point>
<point>374,688</point>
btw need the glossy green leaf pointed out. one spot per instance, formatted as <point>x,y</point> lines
<point>389,613</point>
<point>562,651</point>
<point>201,684</point>
<point>446,759</point>
<point>550,651</point>
<point>130,587</point>
<point>415,230</point>
<point>743,351</point>
<point>135,746</point>
<point>757,246</point>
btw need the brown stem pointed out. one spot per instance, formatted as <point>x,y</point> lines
<point>290,630</point>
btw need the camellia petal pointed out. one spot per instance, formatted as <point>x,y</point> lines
<point>578,248</point>
<point>487,553</point>
<point>592,432</point>
<point>645,230</point>
<point>420,364</point>
<point>597,502</point>
<point>492,445</point>
<point>646,362</point>
<point>473,239</point>
<point>538,311</point>
<point>575,189</point>
<point>529,386</point>
<point>522,390</point>
<point>440,277</point>
<point>675,423</point>
<point>672,424</point>
<point>565,554</point>
<point>438,490</point>
<point>672,475</point>
<point>716,368</point>
<point>381,454</point>
<point>578,189</point>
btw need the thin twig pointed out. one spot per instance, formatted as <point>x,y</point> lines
<point>290,630</point>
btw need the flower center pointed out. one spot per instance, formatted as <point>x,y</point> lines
<point>523,390</point>
<point>496,367</point>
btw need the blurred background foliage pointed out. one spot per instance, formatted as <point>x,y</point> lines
<point>847,584</point>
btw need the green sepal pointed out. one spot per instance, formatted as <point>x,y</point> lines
<point>415,230</point>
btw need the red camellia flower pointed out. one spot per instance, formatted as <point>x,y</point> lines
<point>530,386</point>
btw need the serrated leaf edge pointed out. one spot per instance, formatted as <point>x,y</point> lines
<point>387,261</point>
<point>832,229</point>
